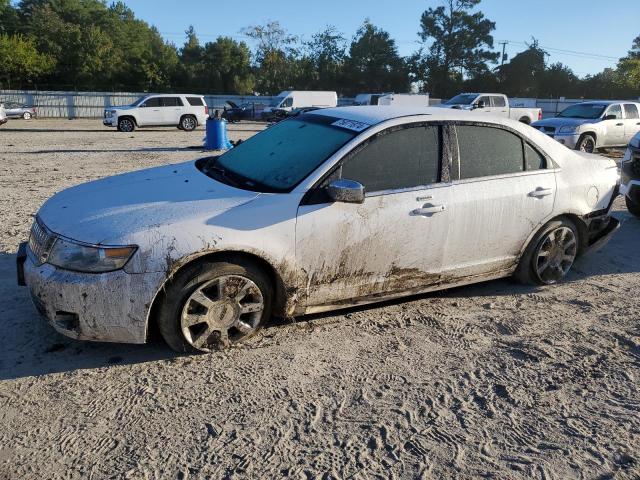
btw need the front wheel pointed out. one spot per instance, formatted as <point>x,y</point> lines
<point>188,123</point>
<point>587,143</point>
<point>212,305</point>
<point>126,125</point>
<point>550,255</point>
<point>633,207</point>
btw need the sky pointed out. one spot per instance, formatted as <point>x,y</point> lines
<point>586,35</point>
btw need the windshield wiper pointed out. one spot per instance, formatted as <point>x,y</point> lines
<point>221,173</point>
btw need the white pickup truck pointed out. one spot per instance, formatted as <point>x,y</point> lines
<point>494,104</point>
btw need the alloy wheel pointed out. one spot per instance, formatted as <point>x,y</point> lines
<point>587,145</point>
<point>188,123</point>
<point>556,254</point>
<point>221,312</point>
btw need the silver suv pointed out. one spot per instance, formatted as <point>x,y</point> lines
<point>183,111</point>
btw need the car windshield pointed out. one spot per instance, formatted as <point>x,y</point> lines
<point>585,110</point>
<point>279,158</point>
<point>138,101</point>
<point>462,99</point>
<point>276,102</point>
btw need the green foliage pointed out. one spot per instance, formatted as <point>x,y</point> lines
<point>21,62</point>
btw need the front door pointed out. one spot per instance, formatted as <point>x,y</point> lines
<point>614,127</point>
<point>150,112</point>
<point>391,243</point>
<point>502,192</point>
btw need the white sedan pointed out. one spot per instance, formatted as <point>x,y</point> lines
<point>330,209</point>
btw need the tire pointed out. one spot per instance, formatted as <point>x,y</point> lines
<point>541,251</point>
<point>633,207</point>
<point>201,309</point>
<point>587,143</point>
<point>525,120</point>
<point>126,124</point>
<point>188,123</point>
<point>26,116</point>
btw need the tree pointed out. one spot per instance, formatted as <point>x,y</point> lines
<point>458,44</point>
<point>326,57</point>
<point>276,57</point>
<point>227,67</point>
<point>8,18</point>
<point>21,62</point>
<point>521,76</point>
<point>373,64</point>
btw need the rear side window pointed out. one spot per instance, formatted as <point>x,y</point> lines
<point>498,101</point>
<point>397,159</point>
<point>630,110</point>
<point>172,101</point>
<point>487,151</point>
<point>533,159</point>
<point>195,101</point>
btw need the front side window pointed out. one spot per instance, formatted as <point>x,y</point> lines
<point>487,151</point>
<point>401,158</point>
<point>279,158</point>
<point>288,103</point>
<point>631,111</point>
<point>615,110</point>
<point>152,102</point>
<point>485,100</point>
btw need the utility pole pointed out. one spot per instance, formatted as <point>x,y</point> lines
<point>504,57</point>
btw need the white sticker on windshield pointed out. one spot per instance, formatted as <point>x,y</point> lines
<point>351,125</point>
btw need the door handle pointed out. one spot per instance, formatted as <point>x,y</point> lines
<point>428,209</point>
<point>619,124</point>
<point>541,192</point>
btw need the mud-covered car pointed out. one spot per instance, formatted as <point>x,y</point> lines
<point>630,170</point>
<point>329,209</point>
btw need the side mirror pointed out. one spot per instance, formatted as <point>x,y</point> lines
<point>144,105</point>
<point>610,117</point>
<point>346,191</point>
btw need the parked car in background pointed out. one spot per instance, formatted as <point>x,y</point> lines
<point>630,172</point>
<point>493,104</point>
<point>589,126</point>
<point>329,209</point>
<point>183,111</point>
<point>290,100</point>
<point>404,99</point>
<point>244,111</point>
<point>3,115</point>
<point>19,110</point>
<point>368,98</point>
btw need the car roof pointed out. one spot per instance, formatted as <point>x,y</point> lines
<point>374,114</point>
<point>173,95</point>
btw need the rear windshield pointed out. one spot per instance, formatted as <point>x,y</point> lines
<point>585,110</point>
<point>280,157</point>
<point>195,101</point>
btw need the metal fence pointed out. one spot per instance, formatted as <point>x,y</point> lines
<point>50,104</point>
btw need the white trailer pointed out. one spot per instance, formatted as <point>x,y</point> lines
<point>290,100</point>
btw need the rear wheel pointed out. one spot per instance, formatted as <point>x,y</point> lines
<point>550,255</point>
<point>633,207</point>
<point>126,124</point>
<point>587,143</point>
<point>188,123</point>
<point>525,120</point>
<point>26,115</point>
<point>212,305</point>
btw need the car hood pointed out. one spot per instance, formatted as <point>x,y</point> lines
<point>562,122</point>
<point>122,107</point>
<point>113,209</point>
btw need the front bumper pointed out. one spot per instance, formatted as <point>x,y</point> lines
<point>569,140</point>
<point>110,121</point>
<point>107,307</point>
<point>599,240</point>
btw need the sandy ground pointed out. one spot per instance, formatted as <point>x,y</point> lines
<point>490,381</point>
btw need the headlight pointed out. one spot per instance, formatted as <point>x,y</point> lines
<point>79,257</point>
<point>569,129</point>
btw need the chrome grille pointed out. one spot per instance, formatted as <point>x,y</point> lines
<point>40,241</point>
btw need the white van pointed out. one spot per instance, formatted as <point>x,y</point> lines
<point>368,98</point>
<point>405,99</point>
<point>290,100</point>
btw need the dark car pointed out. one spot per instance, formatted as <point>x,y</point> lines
<point>19,110</point>
<point>244,111</point>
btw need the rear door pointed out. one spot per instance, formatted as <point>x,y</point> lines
<point>172,109</point>
<point>631,121</point>
<point>391,243</point>
<point>502,190</point>
<point>499,106</point>
<point>486,100</point>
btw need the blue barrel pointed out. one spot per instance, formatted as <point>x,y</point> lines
<point>217,138</point>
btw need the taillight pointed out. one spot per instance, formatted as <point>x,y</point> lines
<point>539,115</point>
<point>206,110</point>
